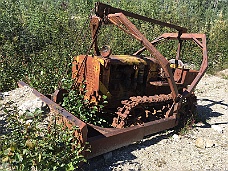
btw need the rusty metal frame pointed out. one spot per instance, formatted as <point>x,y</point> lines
<point>102,10</point>
<point>121,21</point>
<point>186,36</point>
<point>113,138</point>
<point>202,44</point>
<point>107,139</point>
<point>107,14</point>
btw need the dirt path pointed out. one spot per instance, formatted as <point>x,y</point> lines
<point>205,147</point>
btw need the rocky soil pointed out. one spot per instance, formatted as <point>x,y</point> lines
<point>204,147</point>
<point>23,100</point>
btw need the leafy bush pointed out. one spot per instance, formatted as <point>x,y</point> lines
<point>39,38</point>
<point>29,144</point>
<point>76,104</point>
<point>37,42</point>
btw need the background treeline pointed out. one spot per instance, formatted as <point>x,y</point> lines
<point>39,38</point>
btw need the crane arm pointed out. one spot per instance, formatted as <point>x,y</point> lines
<point>102,10</point>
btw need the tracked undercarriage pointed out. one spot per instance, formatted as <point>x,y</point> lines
<point>140,109</point>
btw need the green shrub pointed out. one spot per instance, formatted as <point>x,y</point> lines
<point>28,144</point>
<point>76,104</point>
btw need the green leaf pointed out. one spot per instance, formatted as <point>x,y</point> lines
<point>29,114</point>
<point>70,166</point>
<point>19,157</point>
<point>7,151</point>
<point>5,159</point>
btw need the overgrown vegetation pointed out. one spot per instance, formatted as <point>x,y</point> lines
<point>28,143</point>
<point>76,104</point>
<point>39,38</point>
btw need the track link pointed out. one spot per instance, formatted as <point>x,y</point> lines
<point>140,109</point>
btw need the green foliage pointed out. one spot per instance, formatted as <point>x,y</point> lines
<point>28,143</point>
<point>218,43</point>
<point>75,103</point>
<point>225,76</point>
<point>39,38</point>
<point>37,41</point>
<point>186,128</point>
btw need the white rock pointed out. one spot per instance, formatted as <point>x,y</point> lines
<point>31,105</point>
<point>217,128</point>
<point>200,143</point>
<point>6,93</point>
<point>176,137</point>
<point>204,143</point>
<point>209,143</point>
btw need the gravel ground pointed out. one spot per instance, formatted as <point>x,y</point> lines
<point>205,147</point>
<point>24,100</point>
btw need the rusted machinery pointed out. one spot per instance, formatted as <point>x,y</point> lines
<point>147,94</point>
<point>139,88</point>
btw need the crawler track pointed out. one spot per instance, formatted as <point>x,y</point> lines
<point>140,109</point>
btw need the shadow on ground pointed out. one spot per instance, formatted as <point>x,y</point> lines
<point>205,112</point>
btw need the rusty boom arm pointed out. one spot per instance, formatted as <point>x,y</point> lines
<point>105,14</point>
